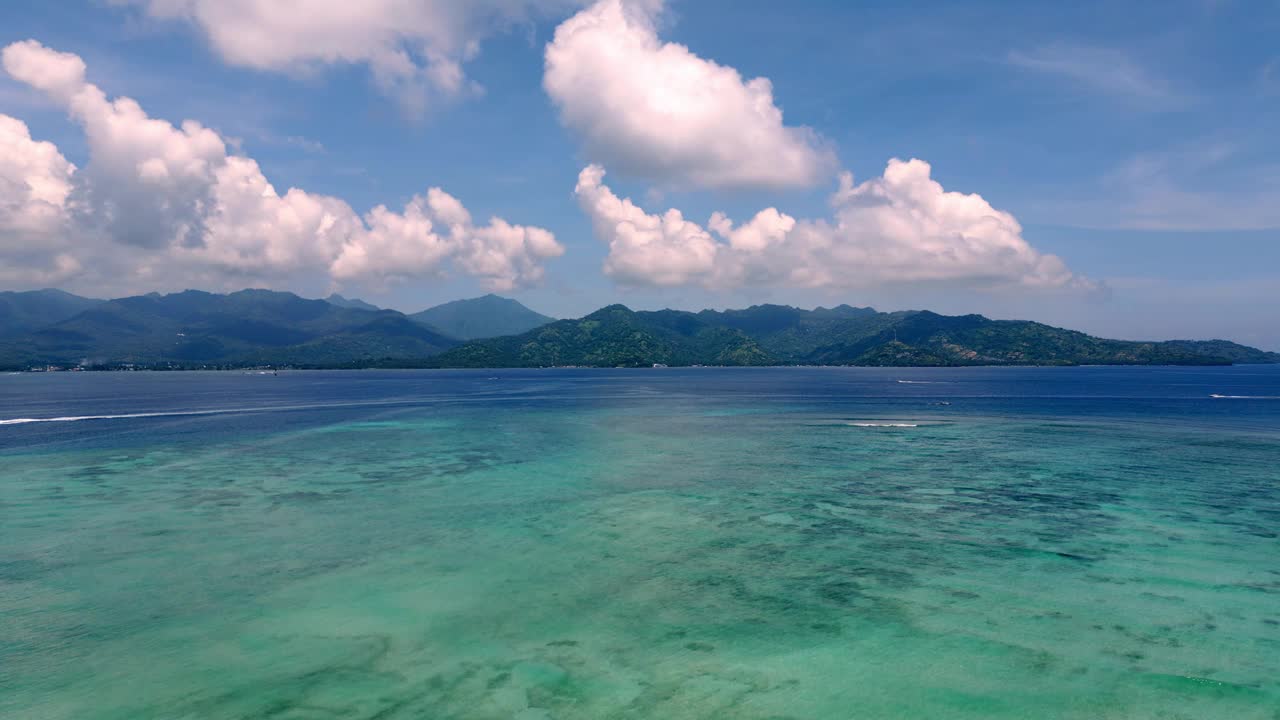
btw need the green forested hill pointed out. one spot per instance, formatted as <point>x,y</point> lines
<point>780,335</point>
<point>614,336</point>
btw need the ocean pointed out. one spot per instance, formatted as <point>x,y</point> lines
<point>1032,543</point>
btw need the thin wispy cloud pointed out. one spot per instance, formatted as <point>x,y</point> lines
<point>305,144</point>
<point>1269,77</point>
<point>1100,70</point>
<point>1164,166</point>
<point>1208,185</point>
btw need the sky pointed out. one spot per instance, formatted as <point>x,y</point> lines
<point>1110,167</point>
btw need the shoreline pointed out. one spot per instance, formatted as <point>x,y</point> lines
<point>268,369</point>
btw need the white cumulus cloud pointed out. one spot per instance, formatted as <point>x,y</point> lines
<point>900,228</point>
<point>658,111</point>
<point>166,205</point>
<point>35,190</point>
<point>645,249</point>
<point>436,227</point>
<point>414,49</point>
<point>35,181</point>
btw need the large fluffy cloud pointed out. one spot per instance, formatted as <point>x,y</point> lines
<point>35,181</point>
<point>658,111</point>
<point>415,49</point>
<point>901,228</point>
<point>35,191</point>
<point>166,204</point>
<point>505,255</point>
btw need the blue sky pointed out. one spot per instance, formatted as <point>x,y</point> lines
<point>1134,141</point>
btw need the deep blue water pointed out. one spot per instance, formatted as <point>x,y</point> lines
<point>239,402</point>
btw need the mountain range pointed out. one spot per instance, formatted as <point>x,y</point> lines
<point>250,327</point>
<point>781,335</point>
<point>262,327</point>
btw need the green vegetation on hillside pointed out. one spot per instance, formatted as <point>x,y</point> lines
<point>779,335</point>
<point>613,337</point>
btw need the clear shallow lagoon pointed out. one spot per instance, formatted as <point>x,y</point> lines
<point>1075,543</point>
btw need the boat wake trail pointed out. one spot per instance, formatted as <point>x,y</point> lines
<point>1244,397</point>
<point>217,411</point>
<point>882,425</point>
<point>78,418</point>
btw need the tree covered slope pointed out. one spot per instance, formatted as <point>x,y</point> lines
<point>780,335</point>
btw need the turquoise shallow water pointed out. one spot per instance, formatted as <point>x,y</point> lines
<point>1069,543</point>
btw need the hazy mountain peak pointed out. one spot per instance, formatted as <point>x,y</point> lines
<point>353,303</point>
<point>486,316</point>
<point>25,311</point>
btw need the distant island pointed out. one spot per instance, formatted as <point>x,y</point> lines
<point>51,329</point>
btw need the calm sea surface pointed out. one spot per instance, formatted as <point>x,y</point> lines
<point>1029,543</point>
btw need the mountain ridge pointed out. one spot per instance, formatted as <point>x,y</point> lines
<point>244,328</point>
<point>353,303</point>
<point>24,311</point>
<point>783,335</point>
<point>263,327</point>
